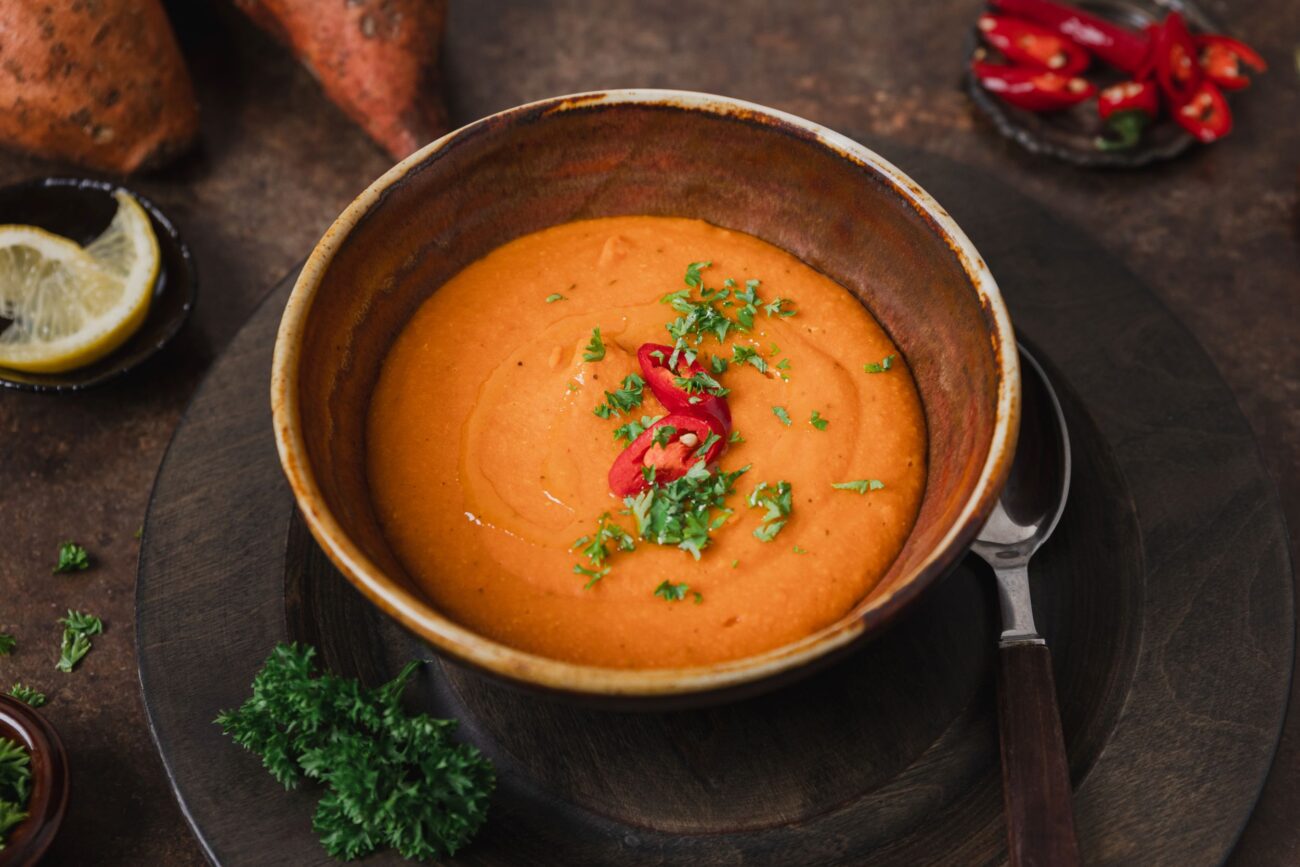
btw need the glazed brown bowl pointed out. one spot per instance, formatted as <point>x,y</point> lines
<point>27,841</point>
<point>828,200</point>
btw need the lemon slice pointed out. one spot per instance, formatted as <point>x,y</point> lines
<point>70,305</point>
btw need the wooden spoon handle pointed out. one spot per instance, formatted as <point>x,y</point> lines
<point>1035,774</point>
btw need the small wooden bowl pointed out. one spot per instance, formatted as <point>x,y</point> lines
<point>828,200</point>
<point>50,783</point>
<point>80,208</point>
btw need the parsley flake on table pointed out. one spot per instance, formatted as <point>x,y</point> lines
<point>634,429</point>
<point>681,513</point>
<point>880,367</point>
<point>859,485</point>
<point>7,643</point>
<point>624,399</point>
<point>779,412</point>
<point>672,592</point>
<point>27,694</point>
<point>72,558</point>
<point>817,421</point>
<point>392,779</point>
<point>75,644</point>
<point>15,786</point>
<point>555,296</point>
<point>595,347</point>
<point>779,503</point>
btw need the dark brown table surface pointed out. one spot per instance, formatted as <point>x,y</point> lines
<point>1215,234</point>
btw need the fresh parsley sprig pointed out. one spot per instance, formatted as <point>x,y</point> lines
<point>595,350</point>
<point>72,558</point>
<point>634,428</point>
<point>392,779</point>
<point>27,694</point>
<point>681,513</point>
<point>15,786</point>
<point>623,400</point>
<point>77,629</point>
<point>596,549</point>
<point>778,502</point>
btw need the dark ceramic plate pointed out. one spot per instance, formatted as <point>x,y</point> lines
<point>28,841</point>
<point>1070,135</point>
<point>80,209</point>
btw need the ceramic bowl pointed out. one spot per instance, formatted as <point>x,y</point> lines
<point>81,208</point>
<point>836,205</point>
<point>27,842</point>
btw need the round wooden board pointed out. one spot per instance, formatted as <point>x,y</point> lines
<point>1166,595</point>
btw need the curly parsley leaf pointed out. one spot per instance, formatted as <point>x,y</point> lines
<point>880,367</point>
<point>391,779</point>
<point>779,412</point>
<point>72,558</point>
<point>595,347</point>
<point>778,502</point>
<point>859,485</point>
<point>27,694</point>
<point>624,399</point>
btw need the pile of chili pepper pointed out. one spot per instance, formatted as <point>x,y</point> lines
<point>1048,45</point>
<point>698,424</point>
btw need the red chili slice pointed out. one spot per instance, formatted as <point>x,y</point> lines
<point>1205,114</point>
<point>1025,43</point>
<point>1222,58</point>
<point>654,358</point>
<point>671,460</point>
<point>1175,60</point>
<point>1116,45</point>
<point>1126,108</point>
<point>1032,89</point>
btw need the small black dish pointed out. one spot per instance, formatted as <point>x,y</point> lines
<point>79,209</point>
<point>1070,135</point>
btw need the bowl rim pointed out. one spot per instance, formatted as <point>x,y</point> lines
<point>467,646</point>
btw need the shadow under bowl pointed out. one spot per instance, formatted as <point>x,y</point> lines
<point>80,209</point>
<point>829,201</point>
<point>48,802</point>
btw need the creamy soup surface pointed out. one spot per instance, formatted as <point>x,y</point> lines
<point>487,462</point>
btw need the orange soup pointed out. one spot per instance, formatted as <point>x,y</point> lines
<point>500,411</point>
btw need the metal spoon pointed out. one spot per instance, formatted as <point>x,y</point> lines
<point>1035,775</point>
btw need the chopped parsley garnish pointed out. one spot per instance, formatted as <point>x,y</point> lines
<point>681,512</point>
<point>735,437</point>
<point>778,502</point>
<point>883,365</point>
<point>693,278</point>
<point>775,308</point>
<point>393,779</point>
<point>77,629</point>
<point>15,786</point>
<point>779,412</point>
<point>741,354</point>
<point>708,443</point>
<point>817,421</point>
<point>72,558</point>
<point>718,364</point>
<point>859,485</point>
<point>799,550</point>
<point>555,296</point>
<point>698,318</point>
<point>7,643</point>
<point>595,549</point>
<point>27,695</point>
<point>700,383</point>
<point>595,347</point>
<point>672,592</point>
<point>634,428</point>
<point>663,435</point>
<point>572,385</point>
<point>623,400</point>
<point>783,364</point>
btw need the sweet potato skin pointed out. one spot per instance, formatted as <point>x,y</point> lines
<point>376,59</point>
<point>100,83</point>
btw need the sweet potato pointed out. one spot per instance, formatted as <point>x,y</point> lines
<point>376,59</point>
<point>98,83</point>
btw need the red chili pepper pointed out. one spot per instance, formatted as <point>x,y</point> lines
<point>662,379</point>
<point>1116,45</point>
<point>671,459</point>
<point>1205,113</point>
<point>1032,89</point>
<point>1025,43</point>
<point>1126,108</point>
<point>1175,60</point>
<point>1221,60</point>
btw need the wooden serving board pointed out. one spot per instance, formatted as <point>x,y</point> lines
<point>1165,594</point>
